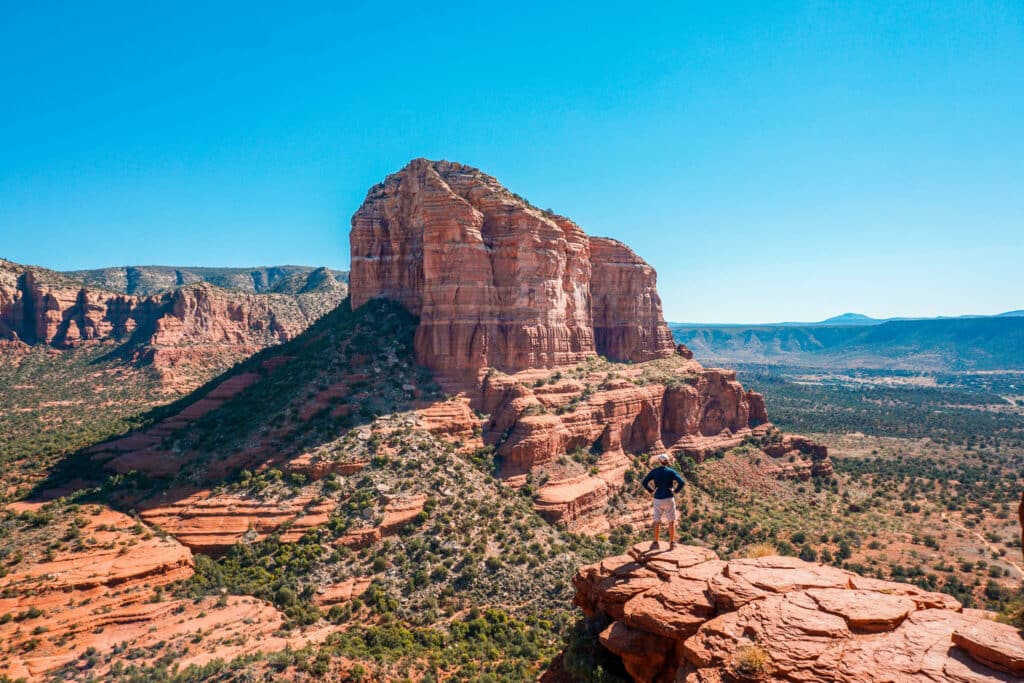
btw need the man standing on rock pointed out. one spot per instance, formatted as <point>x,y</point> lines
<point>667,483</point>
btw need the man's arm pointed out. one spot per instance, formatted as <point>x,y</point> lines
<point>646,481</point>
<point>680,482</point>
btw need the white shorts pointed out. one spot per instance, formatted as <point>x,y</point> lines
<point>664,510</point>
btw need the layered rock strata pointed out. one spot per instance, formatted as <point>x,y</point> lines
<point>626,309</point>
<point>145,280</point>
<point>110,593</point>
<point>495,281</point>
<point>684,615</point>
<point>612,411</point>
<point>183,332</point>
<point>500,285</point>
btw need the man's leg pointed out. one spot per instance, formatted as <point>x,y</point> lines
<point>657,531</point>
<point>670,519</point>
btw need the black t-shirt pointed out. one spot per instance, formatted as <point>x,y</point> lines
<point>666,482</point>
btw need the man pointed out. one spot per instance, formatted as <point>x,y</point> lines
<point>667,483</point>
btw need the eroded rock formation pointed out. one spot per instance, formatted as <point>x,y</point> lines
<point>495,281</point>
<point>684,615</point>
<point>146,280</point>
<point>110,591</point>
<point>496,284</point>
<point>611,411</point>
<point>526,294</point>
<point>626,308</point>
<point>179,332</point>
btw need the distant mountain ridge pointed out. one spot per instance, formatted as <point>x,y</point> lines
<point>927,345</point>
<point>854,319</point>
<point>147,280</point>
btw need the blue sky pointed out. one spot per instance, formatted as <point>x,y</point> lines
<point>773,160</point>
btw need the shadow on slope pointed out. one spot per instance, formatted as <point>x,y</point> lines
<point>404,539</point>
<point>345,370</point>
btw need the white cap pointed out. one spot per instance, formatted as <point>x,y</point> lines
<point>663,457</point>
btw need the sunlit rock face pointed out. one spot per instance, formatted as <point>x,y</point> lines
<point>497,282</point>
<point>682,614</point>
<point>505,293</point>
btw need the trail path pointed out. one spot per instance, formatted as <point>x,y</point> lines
<point>991,548</point>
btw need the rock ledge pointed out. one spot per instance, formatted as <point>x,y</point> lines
<point>684,615</point>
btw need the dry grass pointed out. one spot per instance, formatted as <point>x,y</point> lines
<point>752,661</point>
<point>760,550</point>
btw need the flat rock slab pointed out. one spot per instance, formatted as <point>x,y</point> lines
<point>692,616</point>
<point>679,557</point>
<point>743,581</point>
<point>999,646</point>
<point>864,610</point>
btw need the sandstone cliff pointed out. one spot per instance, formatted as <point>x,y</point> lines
<point>627,319</point>
<point>498,284</point>
<point>495,281</point>
<point>178,331</point>
<point>109,593</point>
<point>605,414</point>
<point>684,615</point>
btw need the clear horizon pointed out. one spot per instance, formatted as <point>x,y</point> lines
<point>773,161</point>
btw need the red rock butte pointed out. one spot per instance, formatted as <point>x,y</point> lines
<point>497,282</point>
<point>506,293</point>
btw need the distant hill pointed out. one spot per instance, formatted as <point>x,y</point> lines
<point>934,345</point>
<point>146,280</point>
<point>851,319</point>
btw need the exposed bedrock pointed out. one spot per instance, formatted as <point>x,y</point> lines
<point>684,615</point>
<point>116,592</point>
<point>627,318</point>
<point>506,294</point>
<point>495,281</point>
<point>182,333</point>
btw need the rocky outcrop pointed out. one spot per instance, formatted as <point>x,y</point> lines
<point>41,307</point>
<point>626,308</point>
<point>109,592</point>
<point>609,411</point>
<point>682,614</point>
<point>210,522</point>
<point>498,284</point>
<point>495,281</point>
<point>184,332</point>
<point>706,412</point>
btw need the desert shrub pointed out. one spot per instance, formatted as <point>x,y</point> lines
<point>752,660</point>
<point>760,550</point>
